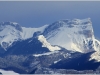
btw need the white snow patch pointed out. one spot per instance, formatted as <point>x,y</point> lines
<point>4,72</point>
<point>48,53</point>
<point>57,61</point>
<point>42,39</point>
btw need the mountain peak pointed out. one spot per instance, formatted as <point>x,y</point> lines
<point>9,23</point>
<point>75,34</point>
<point>83,24</point>
<point>73,22</point>
<point>82,21</point>
<point>13,24</point>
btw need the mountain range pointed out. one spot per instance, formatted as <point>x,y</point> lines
<point>50,48</point>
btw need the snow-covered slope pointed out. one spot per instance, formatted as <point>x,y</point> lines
<point>28,32</point>
<point>12,31</point>
<point>96,56</point>
<point>76,35</point>
<point>42,39</point>
<point>4,72</point>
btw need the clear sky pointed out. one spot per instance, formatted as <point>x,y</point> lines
<point>38,13</point>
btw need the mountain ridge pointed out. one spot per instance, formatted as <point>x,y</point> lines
<point>11,32</point>
<point>75,34</point>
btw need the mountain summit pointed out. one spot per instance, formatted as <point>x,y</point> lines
<point>76,35</point>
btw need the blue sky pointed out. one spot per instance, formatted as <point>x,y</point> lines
<point>38,13</point>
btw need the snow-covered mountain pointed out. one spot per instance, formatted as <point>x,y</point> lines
<point>12,31</point>
<point>76,35</point>
<point>49,48</point>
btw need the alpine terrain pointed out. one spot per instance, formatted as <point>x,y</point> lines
<point>63,47</point>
